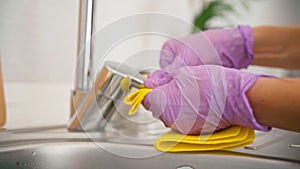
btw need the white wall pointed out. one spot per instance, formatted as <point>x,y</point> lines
<point>38,38</point>
<point>270,12</point>
<point>38,45</point>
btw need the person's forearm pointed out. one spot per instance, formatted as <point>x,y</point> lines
<point>276,102</point>
<point>276,46</point>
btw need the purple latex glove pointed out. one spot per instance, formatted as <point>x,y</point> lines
<point>228,47</point>
<point>202,99</point>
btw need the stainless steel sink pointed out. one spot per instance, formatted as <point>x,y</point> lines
<point>58,148</point>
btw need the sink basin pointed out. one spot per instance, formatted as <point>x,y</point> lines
<point>88,155</point>
<point>62,149</point>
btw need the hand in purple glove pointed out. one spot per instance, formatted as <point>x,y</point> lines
<point>228,47</point>
<point>202,99</point>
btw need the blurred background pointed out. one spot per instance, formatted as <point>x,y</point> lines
<point>38,41</point>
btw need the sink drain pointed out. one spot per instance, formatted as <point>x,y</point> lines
<point>185,167</point>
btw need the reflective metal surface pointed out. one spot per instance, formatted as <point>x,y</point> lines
<point>95,108</point>
<point>87,155</point>
<point>94,103</point>
<point>57,148</point>
<point>84,63</point>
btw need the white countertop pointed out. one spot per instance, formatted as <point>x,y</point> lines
<point>36,104</point>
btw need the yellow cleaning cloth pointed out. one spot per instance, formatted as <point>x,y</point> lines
<point>230,138</point>
<point>233,137</point>
<point>135,99</point>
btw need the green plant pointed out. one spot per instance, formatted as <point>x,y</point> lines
<point>216,9</point>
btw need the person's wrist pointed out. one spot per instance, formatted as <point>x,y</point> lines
<point>239,110</point>
<point>246,32</point>
<point>234,46</point>
<point>251,121</point>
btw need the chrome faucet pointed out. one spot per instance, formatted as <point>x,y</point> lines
<point>94,103</point>
<point>84,64</point>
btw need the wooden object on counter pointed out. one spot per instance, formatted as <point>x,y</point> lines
<point>76,99</point>
<point>2,100</point>
<point>78,96</point>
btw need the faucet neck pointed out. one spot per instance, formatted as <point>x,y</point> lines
<point>84,62</point>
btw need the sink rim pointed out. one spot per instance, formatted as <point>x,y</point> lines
<point>219,154</point>
<point>15,142</point>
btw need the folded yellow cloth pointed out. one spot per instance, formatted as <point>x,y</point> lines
<point>230,138</point>
<point>233,137</point>
<point>135,99</point>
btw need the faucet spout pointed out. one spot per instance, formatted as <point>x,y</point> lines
<point>94,103</point>
<point>97,107</point>
<point>84,59</point>
<point>84,64</point>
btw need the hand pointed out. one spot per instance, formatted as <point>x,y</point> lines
<point>228,47</point>
<point>202,99</point>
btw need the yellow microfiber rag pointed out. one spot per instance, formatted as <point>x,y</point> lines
<point>230,138</point>
<point>135,99</point>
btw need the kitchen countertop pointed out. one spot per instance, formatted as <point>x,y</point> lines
<point>47,104</point>
<point>32,104</point>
